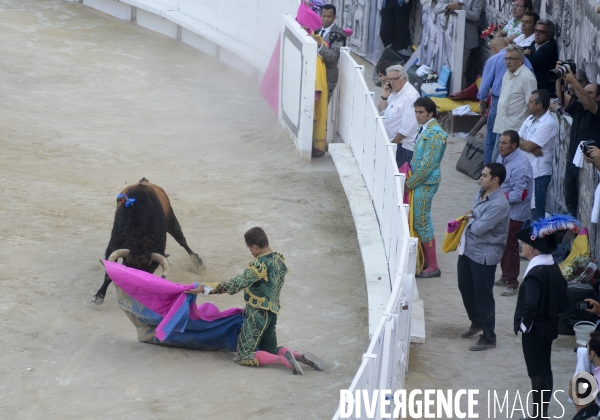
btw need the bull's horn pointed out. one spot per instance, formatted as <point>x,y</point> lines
<point>156,257</point>
<point>119,253</point>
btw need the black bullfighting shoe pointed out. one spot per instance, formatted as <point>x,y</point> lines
<point>314,362</point>
<point>295,365</point>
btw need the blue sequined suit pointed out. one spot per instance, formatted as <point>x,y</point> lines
<point>427,156</point>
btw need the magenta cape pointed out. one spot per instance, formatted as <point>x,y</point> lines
<point>269,87</point>
<point>163,313</point>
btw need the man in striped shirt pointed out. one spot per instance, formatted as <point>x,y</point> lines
<point>518,189</point>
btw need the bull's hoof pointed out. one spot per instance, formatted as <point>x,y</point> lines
<point>197,261</point>
<point>97,300</point>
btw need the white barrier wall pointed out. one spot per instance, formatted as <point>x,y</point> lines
<point>385,362</point>
<point>360,126</point>
<point>297,73</point>
<point>242,33</point>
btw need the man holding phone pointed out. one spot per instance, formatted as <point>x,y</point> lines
<point>397,106</point>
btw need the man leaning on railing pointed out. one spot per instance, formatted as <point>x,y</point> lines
<point>396,105</point>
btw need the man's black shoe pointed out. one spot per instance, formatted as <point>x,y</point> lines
<point>471,331</point>
<point>316,153</point>
<point>482,345</point>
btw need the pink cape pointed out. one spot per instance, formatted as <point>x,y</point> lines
<point>269,87</point>
<point>163,297</point>
<point>405,169</point>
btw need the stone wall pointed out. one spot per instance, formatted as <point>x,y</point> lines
<point>354,14</point>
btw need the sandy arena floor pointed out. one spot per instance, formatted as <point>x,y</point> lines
<point>90,104</point>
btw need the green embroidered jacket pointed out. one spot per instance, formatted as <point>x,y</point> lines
<point>261,281</point>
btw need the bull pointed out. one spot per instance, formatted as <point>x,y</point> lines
<point>139,235</point>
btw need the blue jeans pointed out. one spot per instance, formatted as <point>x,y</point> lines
<point>490,136</point>
<point>541,188</point>
<point>496,148</point>
<point>403,156</point>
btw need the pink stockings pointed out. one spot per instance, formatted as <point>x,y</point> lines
<point>296,355</point>
<point>430,256</point>
<point>265,358</point>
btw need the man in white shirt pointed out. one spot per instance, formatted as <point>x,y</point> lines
<point>538,135</point>
<point>528,23</point>
<point>513,28</point>
<point>517,84</point>
<point>397,106</point>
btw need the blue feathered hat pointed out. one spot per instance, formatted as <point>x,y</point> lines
<point>541,234</point>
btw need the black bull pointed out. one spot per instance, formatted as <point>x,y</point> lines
<point>139,234</point>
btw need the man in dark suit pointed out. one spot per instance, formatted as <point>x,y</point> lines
<point>336,38</point>
<point>543,54</point>
<point>542,297</point>
<point>395,20</point>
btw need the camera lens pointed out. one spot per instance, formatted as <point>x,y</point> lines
<point>555,74</point>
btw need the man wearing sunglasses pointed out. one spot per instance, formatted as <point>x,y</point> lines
<point>543,54</point>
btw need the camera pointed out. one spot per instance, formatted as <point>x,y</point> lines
<point>585,147</point>
<point>565,66</point>
<point>582,305</point>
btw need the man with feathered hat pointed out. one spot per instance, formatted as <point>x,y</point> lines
<point>542,296</point>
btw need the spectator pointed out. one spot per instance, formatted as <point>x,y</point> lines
<point>543,296</point>
<point>583,107</point>
<point>513,27</point>
<point>594,157</point>
<point>530,19</point>
<point>538,135</point>
<point>593,348</point>
<point>485,237</point>
<point>589,360</point>
<point>556,105</point>
<point>425,179</point>
<point>517,84</point>
<point>473,9</point>
<point>381,71</point>
<point>585,411</point>
<point>517,187</point>
<point>493,72</point>
<point>334,38</point>
<point>396,105</point>
<point>395,20</point>
<point>543,53</point>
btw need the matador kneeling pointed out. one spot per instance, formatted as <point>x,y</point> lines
<point>261,282</point>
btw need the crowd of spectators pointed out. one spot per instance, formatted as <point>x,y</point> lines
<point>518,96</point>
